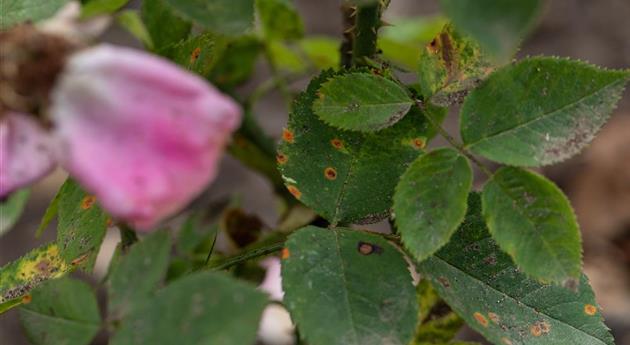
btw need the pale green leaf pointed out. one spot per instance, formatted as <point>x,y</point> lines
<point>230,17</point>
<point>11,209</point>
<point>321,51</point>
<point>279,19</point>
<point>131,21</point>
<point>198,54</point>
<point>99,7</point>
<point>18,11</point>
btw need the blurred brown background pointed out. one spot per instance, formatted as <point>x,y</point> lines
<point>597,181</point>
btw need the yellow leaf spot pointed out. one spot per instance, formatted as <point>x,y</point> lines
<point>590,309</point>
<point>195,55</point>
<point>87,202</point>
<point>285,253</point>
<point>281,158</point>
<point>295,191</point>
<point>481,319</point>
<point>494,317</point>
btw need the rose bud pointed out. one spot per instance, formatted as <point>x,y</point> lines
<point>139,132</point>
<point>25,152</point>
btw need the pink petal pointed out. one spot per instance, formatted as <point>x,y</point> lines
<point>140,133</point>
<point>272,284</point>
<point>25,152</point>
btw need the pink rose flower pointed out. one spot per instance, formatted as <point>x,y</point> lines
<point>25,152</point>
<point>139,132</point>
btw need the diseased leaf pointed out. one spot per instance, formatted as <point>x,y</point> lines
<point>532,220</point>
<point>279,19</point>
<point>81,227</point>
<point>348,176</point>
<point>450,65</point>
<point>135,276</point>
<point>498,25</point>
<point>539,111</point>
<point>18,11</point>
<point>361,102</point>
<point>11,209</point>
<point>201,308</point>
<point>229,17</point>
<point>198,54</point>
<point>163,25</point>
<point>62,311</point>
<point>348,287</point>
<point>19,277</point>
<point>483,286</point>
<point>237,62</point>
<point>51,213</point>
<point>430,200</point>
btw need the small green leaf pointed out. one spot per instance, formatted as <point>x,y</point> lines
<point>402,40</point>
<point>539,111</point>
<point>488,291</point>
<point>198,54</point>
<point>82,225</point>
<point>18,11</point>
<point>197,229</point>
<point>11,209</point>
<point>236,64</point>
<point>430,200</point>
<point>348,287</point>
<point>450,66</point>
<point>361,102</point>
<point>229,17</point>
<point>51,213</point>
<point>532,220</point>
<point>62,311</point>
<point>135,276</point>
<point>286,57</point>
<point>279,19</point>
<point>98,7</point>
<point>201,308</point>
<point>19,277</point>
<point>347,176</point>
<point>321,51</point>
<point>163,25</point>
<point>498,25</point>
<point>131,21</point>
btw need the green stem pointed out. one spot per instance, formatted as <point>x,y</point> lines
<point>249,255</point>
<point>366,25</point>
<point>460,147</point>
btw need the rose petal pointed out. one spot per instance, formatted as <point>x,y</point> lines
<point>25,152</point>
<point>139,132</point>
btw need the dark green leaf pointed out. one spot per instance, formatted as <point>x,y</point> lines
<point>237,62</point>
<point>82,225</point>
<point>63,312</point>
<point>361,102</point>
<point>532,220</point>
<point>484,287</point>
<point>348,287</point>
<point>450,65</point>
<point>279,19</point>
<point>131,21</point>
<point>164,26</point>
<point>97,7</point>
<point>347,176</point>
<point>539,111</point>
<point>135,276</point>
<point>18,11</point>
<point>198,54</point>
<point>11,209</point>
<point>19,277</point>
<point>201,308</point>
<point>430,200</point>
<point>230,17</point>
<point>498,25</point>
<point>51,213</point>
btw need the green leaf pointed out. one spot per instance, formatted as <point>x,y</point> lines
<point>279,19</point>
<point>51,213</point>
<point>286,57</point>
<point>19,277</point>
<point>321,51</point>
<point>486,289</point>
<point>361,102</point>
<point>11,209</point>
<point>198,54</point>
<point>163,25</point>
<point>198,228</point>
<point>82,225</point>
<point>131,21</point>
<point>347,176</point>
<point>18,11</point>
<point>136,275</point>
<point>348,287</point>
<point>401,41</point>
<point>98,7</point>
<point>430,200</point>
<point>62,311</point>
<point>229,17</point>
<point>201,308</point>
<point>539,111</point>
<point>498,25</point>
<point>236,64</point>
<point>532,220</point>
<point>450,65</point>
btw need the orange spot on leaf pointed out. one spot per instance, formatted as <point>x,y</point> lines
<point>287,136</point>
<point>336,143</point>
<point>590,309</point>
<point>539,328</point>
<point>27,299</point>
<point>419,143</point>
<point>295,191</point>
<point>285,253</point>
<point>481,319</point>
<point>330,173</point>
<point>87,202</point>
<point>281,158</point>
<point>494,317</point>
<point>195,55</point>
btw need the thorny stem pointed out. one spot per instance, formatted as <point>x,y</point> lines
<point>361,24</point>
<point>454,142</point>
